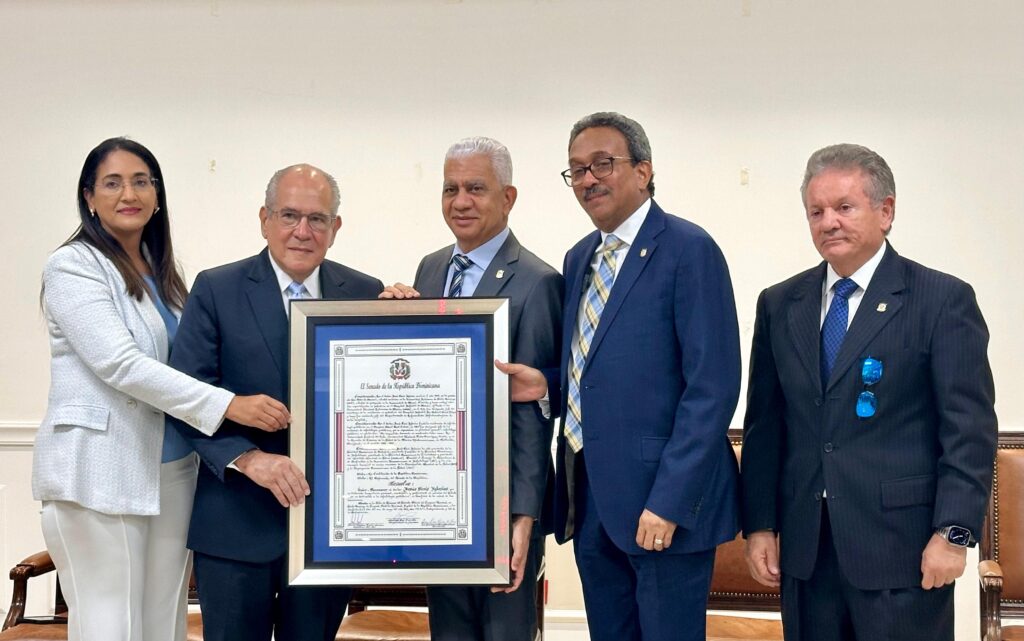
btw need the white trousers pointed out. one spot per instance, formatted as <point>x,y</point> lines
<point>125,576</point>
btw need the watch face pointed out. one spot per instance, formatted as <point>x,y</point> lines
<point>959,535</point>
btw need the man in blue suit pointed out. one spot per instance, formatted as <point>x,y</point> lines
<point>646,481</point>
<point>234,334</point>
<point>870,426</point>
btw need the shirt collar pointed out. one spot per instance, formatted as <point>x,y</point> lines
<point>284,280</point>
<point>484,254</point>
<point>862,276</point>
<point>627,231</point>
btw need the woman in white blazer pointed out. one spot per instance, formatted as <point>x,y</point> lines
<point>116,486</point>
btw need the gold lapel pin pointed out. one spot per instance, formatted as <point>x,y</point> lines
<point>643,252</point>
<point>881,307</point>
<point>500,273</point>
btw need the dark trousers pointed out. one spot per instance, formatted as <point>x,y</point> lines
<point>826,607</point>
<point>474,613</point>
<point>249,601</point>
<point>657,596</point>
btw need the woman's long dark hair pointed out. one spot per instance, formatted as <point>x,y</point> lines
<point>156,235</point>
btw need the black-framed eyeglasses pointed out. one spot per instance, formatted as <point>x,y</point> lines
<point>114,185</point>
<point>290,219</point>
<point>600,168</point>
<point>870,373</point>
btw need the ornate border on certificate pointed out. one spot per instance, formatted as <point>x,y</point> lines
<point>401,463</point>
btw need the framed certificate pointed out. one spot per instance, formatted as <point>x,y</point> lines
<point>400,424</point>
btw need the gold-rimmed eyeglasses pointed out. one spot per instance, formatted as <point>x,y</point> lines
<point>600,168</point>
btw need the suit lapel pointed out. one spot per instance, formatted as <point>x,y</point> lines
<point>804,322</point>
<point>430,280</point>
<point>501,270</point>
<point>576,271</point>
<point>332,282</point>
<point>637,258</point>
<point>267,304</point>
<point>881,303</point>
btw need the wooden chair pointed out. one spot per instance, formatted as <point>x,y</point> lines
<point>1001,570</point>
<point>20,627</point>
<point>732,588</point>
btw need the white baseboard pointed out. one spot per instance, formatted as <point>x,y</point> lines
<point>17,435</point>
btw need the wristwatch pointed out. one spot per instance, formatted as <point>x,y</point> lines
<point>957,535</point>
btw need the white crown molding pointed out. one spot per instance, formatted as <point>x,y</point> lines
<point>17,435</point>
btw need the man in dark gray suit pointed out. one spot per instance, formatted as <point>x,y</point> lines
<point>487,260</point>
<point>870,428</point>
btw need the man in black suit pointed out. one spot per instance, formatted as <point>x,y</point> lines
<point>234,334</point>
<point>487,260</point>
<point>870,428</point>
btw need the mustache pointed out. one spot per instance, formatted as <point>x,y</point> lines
<point>595,190</point>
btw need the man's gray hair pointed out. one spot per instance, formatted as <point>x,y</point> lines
<point>501,160</point>
<point>271,198</point>
<point>636,138</point>
<point>849,156</point>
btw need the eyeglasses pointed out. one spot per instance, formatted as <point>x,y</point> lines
<point>290,219</point>
<point>870,373</point>
<point>115,185</point>
<point>600,168</point>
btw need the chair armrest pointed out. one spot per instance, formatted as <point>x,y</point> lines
<point>35,565</point>
<point>990,575</point>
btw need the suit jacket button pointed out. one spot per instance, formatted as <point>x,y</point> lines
<point>817,402</point>
<point>817,496</point>
<point>132,402</point>
<point>828,448</point>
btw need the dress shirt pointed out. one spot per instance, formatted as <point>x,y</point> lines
<point>626,232</point>
<point>312,283</point>
<point>481,257</point>
<point>862,277</point>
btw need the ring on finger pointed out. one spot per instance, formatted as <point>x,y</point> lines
<point>659,542</point>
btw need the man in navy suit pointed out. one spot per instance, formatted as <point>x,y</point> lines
<point>234,334</point>
<point>870,428</point>
<point>487,260</point>
<point>646,481</point>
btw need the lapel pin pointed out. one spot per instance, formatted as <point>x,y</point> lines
<point>643,252</point>
<point>500,273</point>
<point>881,307</point>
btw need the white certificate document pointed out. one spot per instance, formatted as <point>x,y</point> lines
<point>400,443</point>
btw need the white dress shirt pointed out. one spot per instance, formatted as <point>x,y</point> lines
<point>312,283</point>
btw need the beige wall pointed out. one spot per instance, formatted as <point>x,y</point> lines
<point>225,92</point>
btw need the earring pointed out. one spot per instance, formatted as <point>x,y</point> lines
<point>93,212</point>
<point>155,211</point>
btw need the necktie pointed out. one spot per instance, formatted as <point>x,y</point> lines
<point>589,315</point>
<point>462,263</point>
<point>833,330</point>
<point>297,290</point>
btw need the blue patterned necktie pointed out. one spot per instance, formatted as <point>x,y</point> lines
<point>589,315</point>
<point>833,330</point>
<point>462,263</point>
<point>297,290</point>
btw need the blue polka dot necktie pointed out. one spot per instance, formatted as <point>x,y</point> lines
<point>833,330</point>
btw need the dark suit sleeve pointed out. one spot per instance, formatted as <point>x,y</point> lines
<point>708,336</point>
<point>537,343</point>
<point>763,430</point>
<point>964,397</point>
<point>196,352</point>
